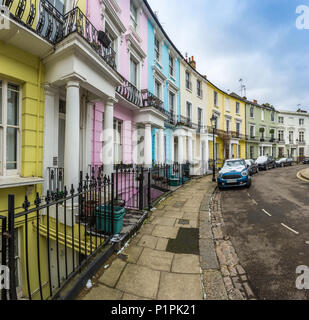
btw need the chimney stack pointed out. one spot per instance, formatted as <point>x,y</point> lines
<point>192,63</point>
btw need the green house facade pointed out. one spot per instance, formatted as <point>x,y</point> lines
<point>261,130</point>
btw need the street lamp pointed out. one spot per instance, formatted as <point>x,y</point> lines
<point>213,121</point>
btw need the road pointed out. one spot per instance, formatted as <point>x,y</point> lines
<point>269,251</point>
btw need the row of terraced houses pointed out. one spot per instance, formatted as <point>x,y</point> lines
<point>88,86</point>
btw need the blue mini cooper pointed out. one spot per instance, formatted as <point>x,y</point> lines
<point>234,173</point>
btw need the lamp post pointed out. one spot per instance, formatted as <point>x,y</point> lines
<point>213,125</point>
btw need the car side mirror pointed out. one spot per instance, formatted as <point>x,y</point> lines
<point>247,166</point>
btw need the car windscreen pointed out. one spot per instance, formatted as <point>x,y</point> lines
<point>234,164</point>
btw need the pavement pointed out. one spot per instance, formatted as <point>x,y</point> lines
<point>268,226</point>
<point>172,257</point>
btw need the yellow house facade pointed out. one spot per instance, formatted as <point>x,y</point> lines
<point>230,114</point>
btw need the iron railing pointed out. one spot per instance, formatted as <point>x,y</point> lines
<point>128,91</point>
<point>172,119</point>
<point>53,26</point>
<point>55,179</point>
<point>150,100</point>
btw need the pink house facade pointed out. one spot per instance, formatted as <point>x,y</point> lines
<point>125,23</point>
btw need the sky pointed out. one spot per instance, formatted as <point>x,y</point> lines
<point>253,40</point>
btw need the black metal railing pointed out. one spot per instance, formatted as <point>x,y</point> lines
<point>185,121</point>
<point>61,232</point>
<point>55,179</point>
<point>150,100</point>
<point>128,91</point>
<point>172,120</point>
<point>76,21</point>
<point>53,26</point>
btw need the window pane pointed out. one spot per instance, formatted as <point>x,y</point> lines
<point>11,149</point>
<point>133,73</point>
<point>0,102</point>
<point>13,105</point>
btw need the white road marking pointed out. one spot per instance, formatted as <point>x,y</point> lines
<point>249,195</point>
<point>254,202</point>
<point>284,225</point>
<point>267,213</point>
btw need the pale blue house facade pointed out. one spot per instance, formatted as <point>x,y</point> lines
<point>164,82</point>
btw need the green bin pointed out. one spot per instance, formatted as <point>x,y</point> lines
<point>101,218</point>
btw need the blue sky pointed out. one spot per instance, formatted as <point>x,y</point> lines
<point>256,40</point>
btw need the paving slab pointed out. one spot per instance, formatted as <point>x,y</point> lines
<point>148,241</point>
<point>102,292</point>
<point>165,232</point>
<point>112,274</point>
<point>175,286</point>
<point>208,255</point>
<point>186,263</point>
<point>162,244</point>
<point>132,297</point>
<point>140,281</point>
<point>133,253</point>
<point>163,221</point>
<point>214,285</point>
<point>157,260</point>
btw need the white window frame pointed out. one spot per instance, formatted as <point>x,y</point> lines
<point>4,172</point>
<point>254,133</point>
<point>281,122</point>
<point>227,104</point>
<point>216,98</point>
<point>202,115</point>
<point>301,122</point>
<point>171,59</point>
<point>171,93</point>
<point>237,122</point>
<point>138,76</point>
<point>237,106</point>
<point>157,50</point>
<point>252,109</point>
<point>157,81</point>
<point>188,83</point>
<point>118,141</point>
<point>188,103</point>
<point>134,18</point>
<point>301,136</point>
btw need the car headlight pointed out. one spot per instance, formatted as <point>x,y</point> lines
<point>219,175</point>
<point>244,173</point>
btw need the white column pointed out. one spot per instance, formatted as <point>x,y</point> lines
<point>148,145</point>
<point>190,150</point>
<point>161,146</point>
<point>108,135</point>
<point>134,143</point>
<point>172,148</point>
<point>72,133</point>
<point>51,125</point>
<point>180,150</point>
<point>87,137</point>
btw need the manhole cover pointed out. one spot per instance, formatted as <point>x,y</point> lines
<point>187,242</point>
<point>184,222</point>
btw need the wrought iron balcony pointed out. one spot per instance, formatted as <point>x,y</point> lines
<point>184,121</point>
<point>130,92</point>
<point>51,25</point>
<point>150,100</point>
<point>172,119</point>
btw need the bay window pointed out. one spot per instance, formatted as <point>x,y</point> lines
<point>9,128</point>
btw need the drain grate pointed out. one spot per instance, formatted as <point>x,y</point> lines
<point>184,222</point>
<point>187,242</point>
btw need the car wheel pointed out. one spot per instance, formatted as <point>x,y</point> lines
<point>248,185</point>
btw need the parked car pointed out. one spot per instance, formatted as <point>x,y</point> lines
<point>234,174</point>
<point>265,162</point>
<point>284,162</point>
<point>252,166</point>
<point>306,161</point>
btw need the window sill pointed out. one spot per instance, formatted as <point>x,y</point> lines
<point>16,181</point>
<point>158,63</point>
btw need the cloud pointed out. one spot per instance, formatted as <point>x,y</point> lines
<point>254,40</point>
